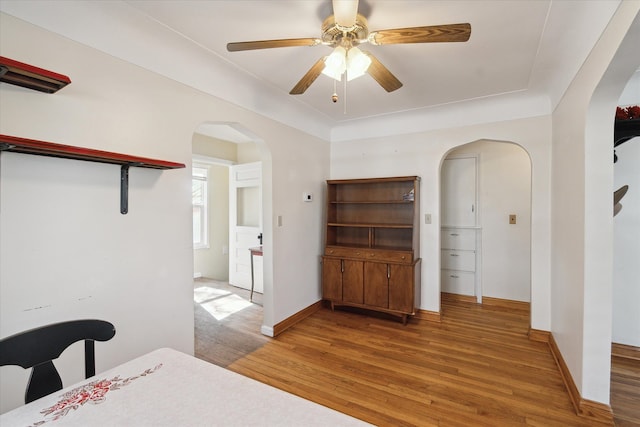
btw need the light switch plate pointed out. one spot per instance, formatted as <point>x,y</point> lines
<point>512,219</point>
<point>307,197</point>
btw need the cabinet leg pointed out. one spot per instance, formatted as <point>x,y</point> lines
<point>332,306</point>
<point>404,319</point>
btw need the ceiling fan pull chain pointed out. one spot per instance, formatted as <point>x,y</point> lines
<point>345,94</point>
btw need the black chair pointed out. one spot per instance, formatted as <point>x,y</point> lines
<point>37,348</point>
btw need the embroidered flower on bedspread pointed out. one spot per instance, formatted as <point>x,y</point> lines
<point>94,392</point>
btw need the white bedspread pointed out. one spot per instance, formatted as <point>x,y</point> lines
<point>169,388</point>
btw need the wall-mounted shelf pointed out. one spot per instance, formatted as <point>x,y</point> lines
<point>31,77</point>
<point>41,148</point>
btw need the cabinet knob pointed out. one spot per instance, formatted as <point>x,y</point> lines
<point>372,255</point>
<point>403,257</point>
<point>357,253</point>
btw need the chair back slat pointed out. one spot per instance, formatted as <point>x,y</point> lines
<point>44,380</point>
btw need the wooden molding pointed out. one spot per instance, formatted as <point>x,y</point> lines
<point>295,318</point>
<point>506,303</point>
<point>430,316</point>
<point>574,394</point>
<point>625,351</point>
<point>538,335</point>
<point>459,298</point>
<point>596,410</point>
<point>583,407</point>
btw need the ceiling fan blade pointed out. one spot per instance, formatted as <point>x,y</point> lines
<point>308,78</point>
<point>430,34</point>
<point>345,12</point>
<point>382,75</point>
<point>268,44</point>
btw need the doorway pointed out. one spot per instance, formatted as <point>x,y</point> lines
<point>245,225</point>
<point>219,149</point>
<point>486,223</point>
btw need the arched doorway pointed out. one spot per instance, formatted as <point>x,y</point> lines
<point>219,148</point>
<point>486,207</point>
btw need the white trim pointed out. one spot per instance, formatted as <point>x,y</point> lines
<point>198,158</point>
<point>266,330</point>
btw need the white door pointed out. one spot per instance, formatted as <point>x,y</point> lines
<point>459,192</point>
<point>245,224</point>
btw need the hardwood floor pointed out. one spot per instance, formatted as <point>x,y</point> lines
<point>227,325</point>
<point>475,368</point>
<point>625,385</point>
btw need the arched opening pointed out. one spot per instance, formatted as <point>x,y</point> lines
<point>229,296</point>
<point>599,264</point>
<point>486,207</point>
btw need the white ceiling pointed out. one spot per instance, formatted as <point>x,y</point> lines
<point>518,49</point>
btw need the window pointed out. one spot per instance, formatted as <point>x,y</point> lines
<point>199,194</point>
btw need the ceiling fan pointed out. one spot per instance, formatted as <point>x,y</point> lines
<point>344,31</point>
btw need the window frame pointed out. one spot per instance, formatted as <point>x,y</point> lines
<point>204,206</point>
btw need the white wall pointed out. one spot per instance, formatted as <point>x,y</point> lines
<point>504,184</point>
<point>421,154</point>
<point>67,252</point>
<point>582,222</point>
<point>626,247</point>
<point>248,153</point>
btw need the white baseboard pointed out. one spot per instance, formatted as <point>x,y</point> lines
<point>197,275</point>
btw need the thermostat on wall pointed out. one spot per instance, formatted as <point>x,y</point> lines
<point>307,197</point>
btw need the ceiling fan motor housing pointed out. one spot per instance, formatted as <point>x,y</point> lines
<point>335,35</point>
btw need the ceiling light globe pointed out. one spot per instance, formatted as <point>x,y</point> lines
<point>335,64</point>
<point>357,63</point>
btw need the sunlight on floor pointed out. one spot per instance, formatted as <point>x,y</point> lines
<point>205,293</point>
<point>219,303</point>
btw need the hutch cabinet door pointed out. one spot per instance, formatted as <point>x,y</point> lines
<point>376,284</point>
<point>401,288</point>
<point>353,281</point>
<point>332,279</point>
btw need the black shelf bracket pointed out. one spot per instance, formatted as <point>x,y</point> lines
<point>124,189</point>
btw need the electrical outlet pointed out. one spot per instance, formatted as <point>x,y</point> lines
<point>307,197</point>
<point>512,219</point>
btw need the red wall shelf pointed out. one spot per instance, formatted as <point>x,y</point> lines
<point>41,148</point>
<point>25,75</point>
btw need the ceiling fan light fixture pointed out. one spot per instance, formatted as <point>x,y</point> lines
<point>345,13</point>
<point>335,64</point>
<point>357,63</point>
